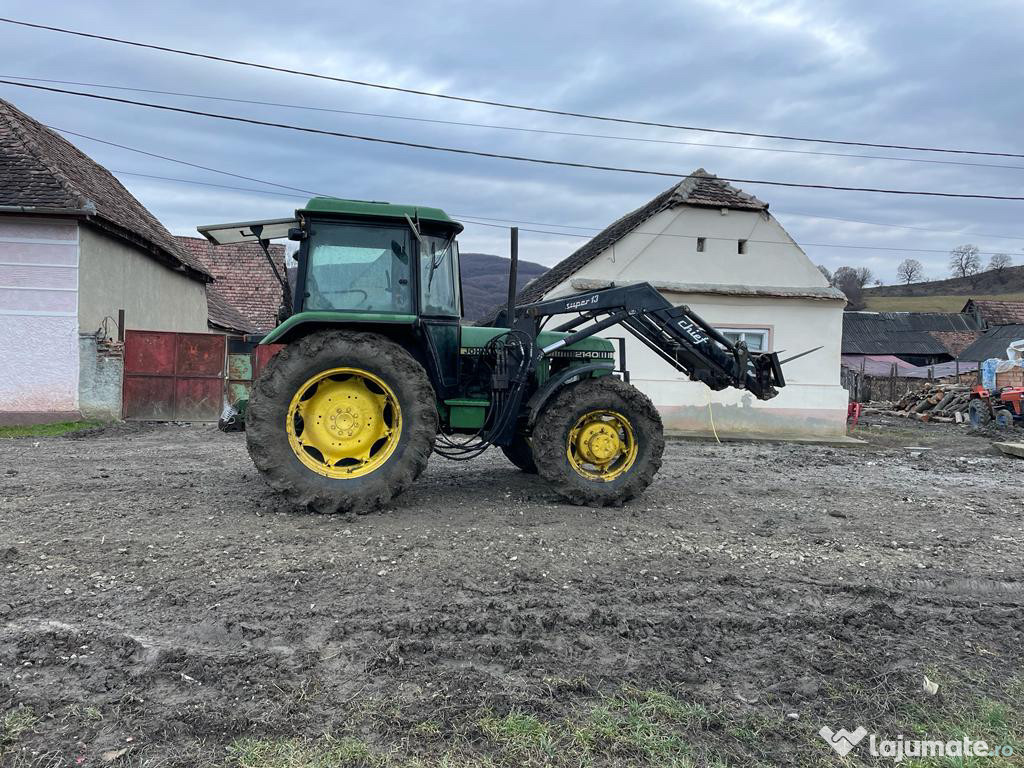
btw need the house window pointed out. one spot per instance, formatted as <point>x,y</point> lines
<point>757,339</point>
<point>700,244</point>
<point>741,246</point>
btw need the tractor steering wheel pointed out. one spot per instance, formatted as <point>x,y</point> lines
<point>351,290</point>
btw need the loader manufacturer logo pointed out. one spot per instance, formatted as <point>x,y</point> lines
<point>842,741</point>
<point>577,303</point>
<point>696,334</point>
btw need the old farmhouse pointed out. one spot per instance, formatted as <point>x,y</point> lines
<point>711,246</point>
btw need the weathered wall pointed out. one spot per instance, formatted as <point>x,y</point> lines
<point>38,319</point>
<point>100,375</point>
<point>114,275</point>
<point>664,250</point>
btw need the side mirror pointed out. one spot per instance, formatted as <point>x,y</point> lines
<point>296,233</point>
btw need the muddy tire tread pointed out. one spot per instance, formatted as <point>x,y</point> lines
<point>266,438</point>
<point>558,416</point>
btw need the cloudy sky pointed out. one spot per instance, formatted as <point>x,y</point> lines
<point>923,73</point>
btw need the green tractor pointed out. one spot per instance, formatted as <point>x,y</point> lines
<point>378,372</point>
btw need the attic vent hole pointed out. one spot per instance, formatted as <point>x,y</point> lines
<point>741,246</point>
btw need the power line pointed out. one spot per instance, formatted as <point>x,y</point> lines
<point>902,226</point>
<point>206,184</point>
<point>469,219</point>
<point>503,105</point>
<point>501,156</point>
<point>485,218</point>
<point>519,129</point>
<point>180,162</point>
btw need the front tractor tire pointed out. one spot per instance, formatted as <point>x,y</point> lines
<point>520,453</point>
<point>341,421</point>
<point>599,442</point>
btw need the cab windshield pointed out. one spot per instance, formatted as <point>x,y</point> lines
<point>358,267</point>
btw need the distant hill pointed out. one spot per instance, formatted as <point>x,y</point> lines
<point>485,281</point>
<point>946,295</point>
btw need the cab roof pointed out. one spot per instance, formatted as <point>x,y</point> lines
<point>341,207</point>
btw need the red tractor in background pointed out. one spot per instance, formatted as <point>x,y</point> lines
<point>1004,406</point>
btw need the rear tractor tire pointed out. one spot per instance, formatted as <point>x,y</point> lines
<point>599,442</point>
<point>520,453</point>
<point>341,421</point>
<point>979,412</point>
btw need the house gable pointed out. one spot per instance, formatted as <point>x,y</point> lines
<point>697,246</point>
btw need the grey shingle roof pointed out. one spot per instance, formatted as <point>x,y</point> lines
<point>700,189</point>
<point>41,171</point>
<point>993,343</point>
<point>903,333</point>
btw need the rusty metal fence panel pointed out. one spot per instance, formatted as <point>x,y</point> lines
<point>173,376</point>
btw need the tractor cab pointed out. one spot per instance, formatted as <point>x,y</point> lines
<point>362,257</point>
<point>378,266</point>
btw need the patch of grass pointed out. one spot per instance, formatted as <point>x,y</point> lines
<point>628,736</point>
<point>997,723</point>
<point>645,728</point>
<point>15,722</point>
<point>47,430</point>
<point>521,736</point>
<point>325,752</point>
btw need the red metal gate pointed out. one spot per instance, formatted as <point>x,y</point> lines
<point>173,376</point>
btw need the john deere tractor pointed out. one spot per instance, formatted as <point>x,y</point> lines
<point>378,372</point>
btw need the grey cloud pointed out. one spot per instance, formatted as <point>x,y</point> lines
<point>911,72</point>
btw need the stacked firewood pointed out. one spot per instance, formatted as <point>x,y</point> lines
<point>943,403</point>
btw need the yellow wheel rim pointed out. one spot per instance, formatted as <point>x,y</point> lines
<point>344,423</point>
<point>601,445</point>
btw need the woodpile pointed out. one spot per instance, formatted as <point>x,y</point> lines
<point>938,402</point>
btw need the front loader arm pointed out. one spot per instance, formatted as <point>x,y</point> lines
<point>676,334</point>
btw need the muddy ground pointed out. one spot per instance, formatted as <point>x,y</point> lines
<point>159,606</point>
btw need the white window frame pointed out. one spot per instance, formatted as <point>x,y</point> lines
<point>743,330</point>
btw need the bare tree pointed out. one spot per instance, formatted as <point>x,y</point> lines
<point>999,263</point>
<point>964,261</point>
<point>851,281</point>
<point>826,273</point>
<point>910,271</point>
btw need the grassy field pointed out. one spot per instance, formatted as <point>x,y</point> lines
<point>945,303</point>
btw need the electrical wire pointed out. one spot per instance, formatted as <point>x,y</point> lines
<point>465,218</point>
<point>469,219</point>
<point>489,218</point>
<point>501,104</point>
<point>519,129</point>
<point>502,156</point>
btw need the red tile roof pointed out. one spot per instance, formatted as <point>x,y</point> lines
<point>992,312</point>
<point>242,278</point>
<point>956,341</point>
<point>222,316</point>
<point>42,172</point>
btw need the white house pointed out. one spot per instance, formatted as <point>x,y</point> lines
<point>75,248</point>
<point>711,246</point>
